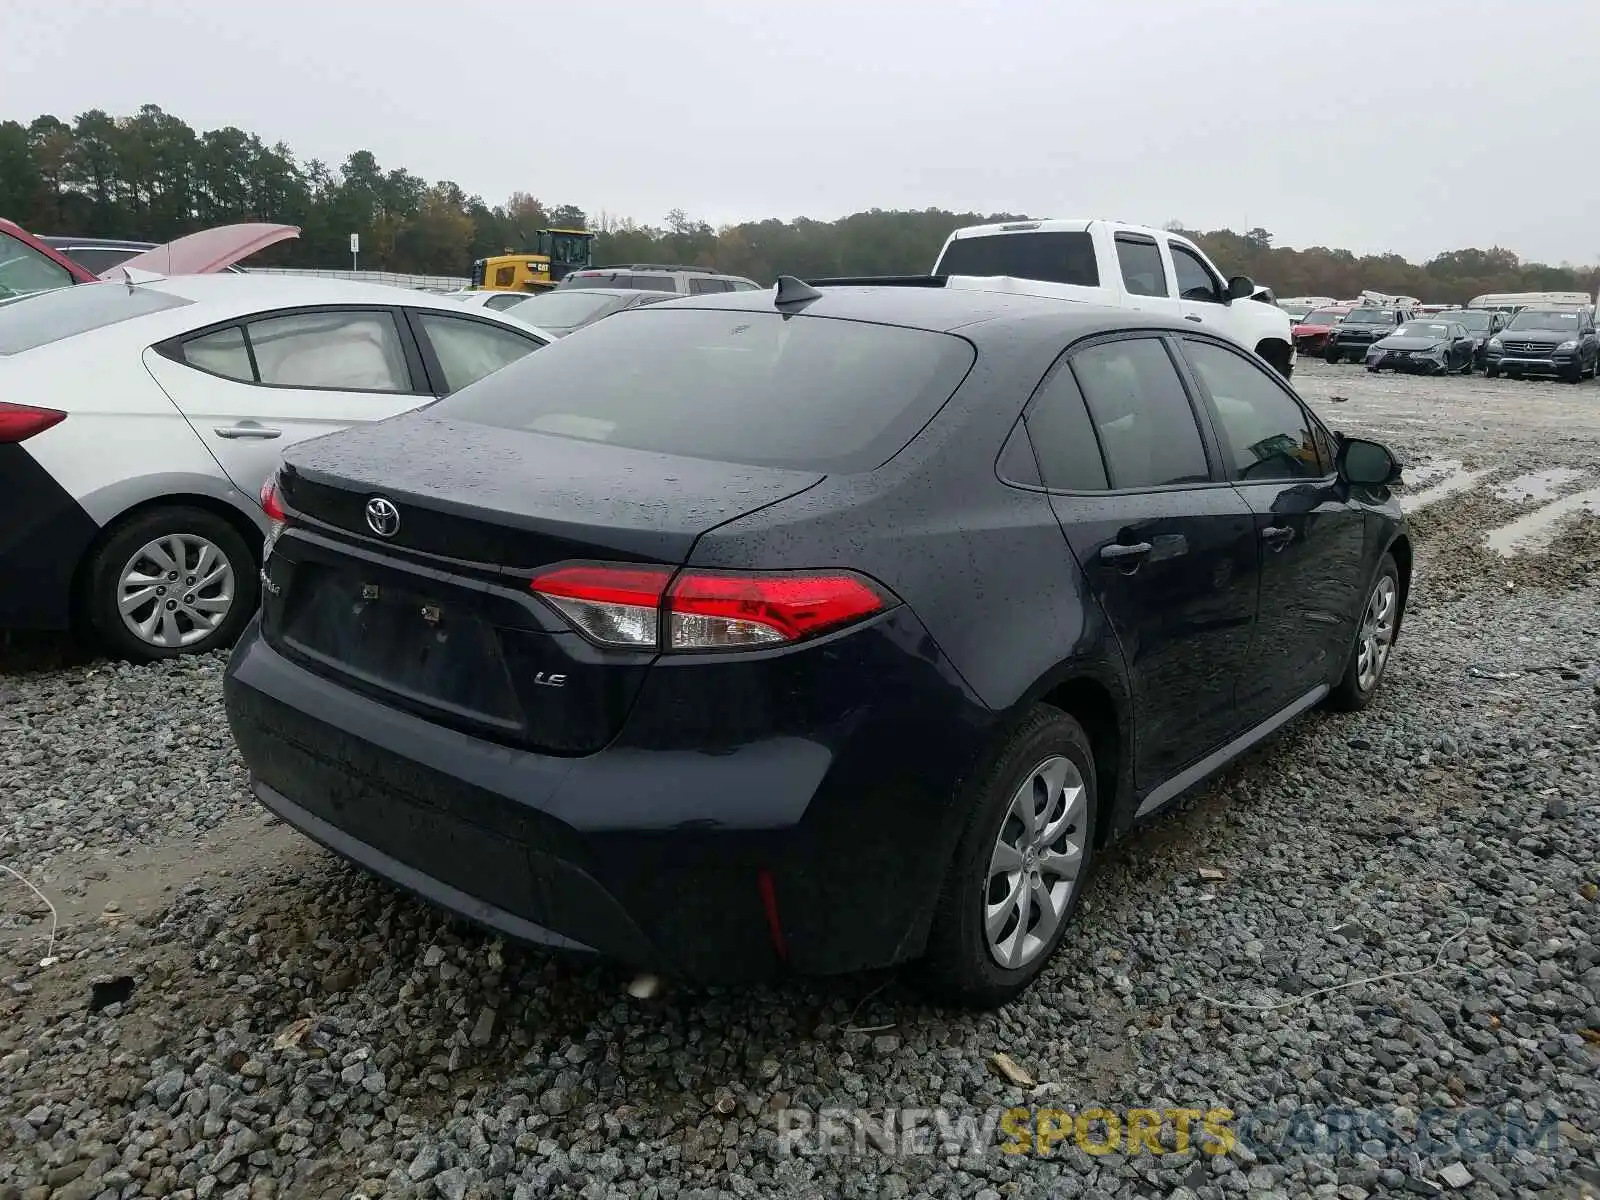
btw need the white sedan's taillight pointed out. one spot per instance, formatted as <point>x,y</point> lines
<point>648,608</point>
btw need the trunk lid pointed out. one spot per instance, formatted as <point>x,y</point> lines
<point>438,617</point>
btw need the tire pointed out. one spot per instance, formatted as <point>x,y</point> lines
<point>136,548</point>
<point>1331,356</point>
<point>1491,372</point>
<point>1359,684</point>
<point>1372,370</point>
<point>959,967</point>
<point>1575,375</point>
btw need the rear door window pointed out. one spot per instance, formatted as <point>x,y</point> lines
<point>1147,427</point>
<point>652,283</point>
<point>760,388</point>
<point>1063,436</point>
<point>1143,273</point>
<point>349,350</point>
<point>1054,257</point>
<point>221,352</point>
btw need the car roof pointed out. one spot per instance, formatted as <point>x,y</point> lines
<point>647,269</point>
<point>977,313</point>
<point>219,298</point>
<point>62,241</point>
<point>599,291</point>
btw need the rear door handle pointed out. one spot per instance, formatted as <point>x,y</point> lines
<point>1277,536</point>
<point>1125,555</point>
<point>247,429</point>
<point>1192,317</point>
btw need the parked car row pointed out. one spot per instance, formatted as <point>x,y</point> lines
<point>665,641</point>
<point>1546,340</point>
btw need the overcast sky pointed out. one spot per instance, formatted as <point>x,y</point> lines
<point>1368,124</point>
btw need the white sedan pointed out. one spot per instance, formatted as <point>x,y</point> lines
<point>140,420</point>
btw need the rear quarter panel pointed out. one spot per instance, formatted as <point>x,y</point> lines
<point>982,564</point>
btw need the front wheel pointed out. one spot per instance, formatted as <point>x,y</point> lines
<point>1019,868</point>
<point>1330,356</point>
<point>171,581</point>
<point>1380,620</point>
<point>1491,372</point>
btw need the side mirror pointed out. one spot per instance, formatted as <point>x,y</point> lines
<point>1241,287</point>
<point>1367,464</point>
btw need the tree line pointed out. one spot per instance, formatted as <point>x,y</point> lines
<point>152,177</point>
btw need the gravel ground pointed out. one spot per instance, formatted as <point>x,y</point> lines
<point>233,1013</point>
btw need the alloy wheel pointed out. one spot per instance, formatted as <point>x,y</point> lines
<point>1377,633</point>
<point>175,590</point>
<point>1036,862</point>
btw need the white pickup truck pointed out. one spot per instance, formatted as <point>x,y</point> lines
<point>1121,266</point>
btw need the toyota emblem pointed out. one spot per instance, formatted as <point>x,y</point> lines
<point>383,518</point>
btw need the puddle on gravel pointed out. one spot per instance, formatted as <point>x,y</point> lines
<point>1423,474</point>
<point>1538,528</point>
<point>1538,485</point>
<point>1456,481</point>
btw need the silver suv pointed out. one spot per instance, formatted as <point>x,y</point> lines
<point>659,277</point>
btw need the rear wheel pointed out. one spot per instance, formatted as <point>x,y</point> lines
<point>1019,868</point>
<point>1380,621</point>
<point>171,581</point>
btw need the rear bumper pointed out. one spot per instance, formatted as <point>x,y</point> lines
<point>43,538</point>
<point>661,858</point>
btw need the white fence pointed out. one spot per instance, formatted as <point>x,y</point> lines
<point>430,283</point>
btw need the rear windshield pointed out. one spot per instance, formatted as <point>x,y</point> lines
<point>758,388</point>
<point>1057,257</point>
<point>50,316</point>
<point>564,309</point>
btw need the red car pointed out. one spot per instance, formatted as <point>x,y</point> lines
<point>1312,331</point>
<point>27,265</point>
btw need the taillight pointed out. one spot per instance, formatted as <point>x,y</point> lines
<point>19,422</point>
<point>647,608</point>
<point>616,606</point>
<point>273,507</point>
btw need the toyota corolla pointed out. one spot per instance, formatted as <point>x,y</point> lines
<point>810,629</point>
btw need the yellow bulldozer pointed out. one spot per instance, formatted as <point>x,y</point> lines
<point>556,253</point>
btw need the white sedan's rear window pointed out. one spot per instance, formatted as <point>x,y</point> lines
<point>47,317</point>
